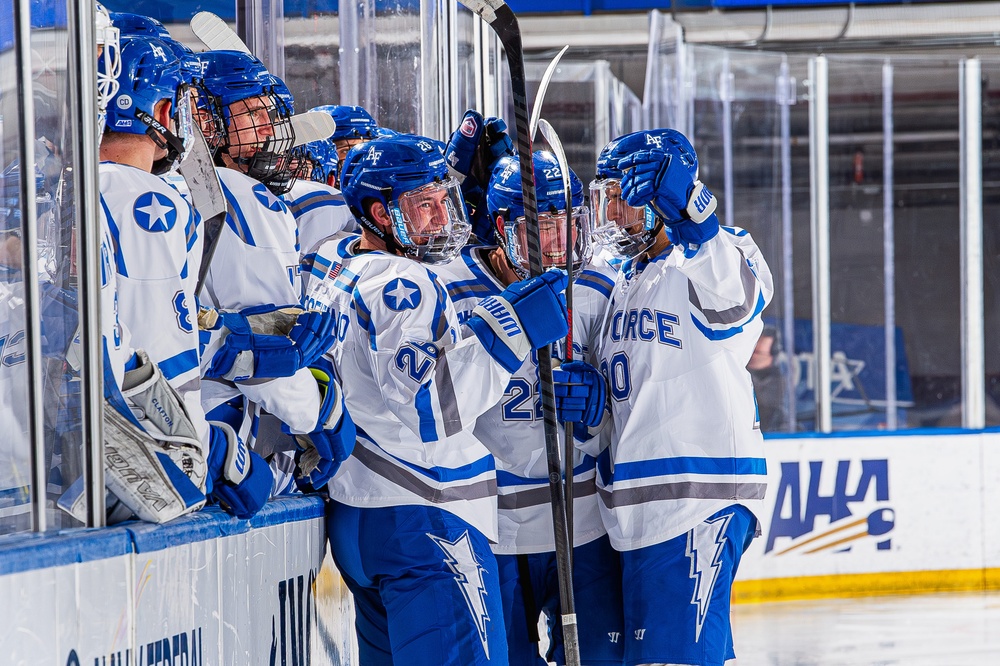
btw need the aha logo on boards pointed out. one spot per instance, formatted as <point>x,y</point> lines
<point>856,513</point>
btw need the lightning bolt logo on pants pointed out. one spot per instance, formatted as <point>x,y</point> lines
<point>704,548</point>
<point>462,561</point>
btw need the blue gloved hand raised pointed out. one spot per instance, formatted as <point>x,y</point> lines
<point>526,315</point>
<point>472,151</point>
<point>660,179</point>
<point>322,451</point>
<point>240,479</point>
<point>581,393</point>
<point>266,341</point>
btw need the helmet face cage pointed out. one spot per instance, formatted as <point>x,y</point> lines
<point>506,206</point>
<point>258,136</point>
<point>430,223</point>
<point>552,236</point>
<point>408,175</point>
<point>109,63</point>
<point>624,230</point>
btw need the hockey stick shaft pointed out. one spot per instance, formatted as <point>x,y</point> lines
<point>552,138</point>
<point>502,20</point>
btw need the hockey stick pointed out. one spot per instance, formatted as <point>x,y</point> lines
<point>216,34</point>
<point>555,143</point>
<point>543,86</point>
<point>503,22</point>
<point>198,170</point>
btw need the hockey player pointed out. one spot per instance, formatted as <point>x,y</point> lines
<point>513,430</point>
<point>685,468</point>
<point>256,266</point>
<point>414,507</point>
<point>149,123</point>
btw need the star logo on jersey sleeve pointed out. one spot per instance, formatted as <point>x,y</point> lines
<point>155,212</point>
<point>401,294</point>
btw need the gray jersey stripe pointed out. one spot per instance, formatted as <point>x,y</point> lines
<point>734,314</point>
<point>448,402</point>
<point>409,481</point>
<point>681,490</point>
<point>522,499</point>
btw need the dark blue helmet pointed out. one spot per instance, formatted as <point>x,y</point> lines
<point>151,72</point>
<point>137,25</point>
<point>408,176</point>
<point>505,205</point>
<point>231,80</point>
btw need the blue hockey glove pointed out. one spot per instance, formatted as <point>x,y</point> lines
<point>267,341</point>
<point>322,451</point>
<point>687,207</point>
<point>472,151</point>
<point>526,315</point>
<point>581,394</point>
<point>241,479</point>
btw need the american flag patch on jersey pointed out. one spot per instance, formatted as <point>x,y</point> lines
<point>335,271</point>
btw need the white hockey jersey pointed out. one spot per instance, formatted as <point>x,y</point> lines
<point>413,385</point>
<point>320,212</point>
<point>685,438</point>
<point>513,429</point>
<point>256,262</point>
<point>154,230</point>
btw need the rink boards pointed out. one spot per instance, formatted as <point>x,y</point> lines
<point>850,516</point>
<point>205,589</point>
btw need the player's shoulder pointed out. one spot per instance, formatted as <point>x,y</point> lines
<point>597,279</point>
<point>468,276</point>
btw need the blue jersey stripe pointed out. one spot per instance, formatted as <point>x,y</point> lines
<point>595,281</point>
<point>364,316</point>
<point>238,224</point>
<point>113,227</point>
<point>505,478</point>
<point>425,410</point>
<point>441,474</point>
<point>725,334</point>
<point>689,465</point>
<point>179,364</point>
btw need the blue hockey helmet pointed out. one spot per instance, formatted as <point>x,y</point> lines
<point>320,158</point>
<point>137,25</point>
<point>354,125</point>
<point>505,204</point>
<point>626,230</point>
<point>254,123</point>
<point>150,73</point>
<point>107,40</point>
<point>408,176</point>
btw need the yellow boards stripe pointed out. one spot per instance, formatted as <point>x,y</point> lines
<point>864,585</point>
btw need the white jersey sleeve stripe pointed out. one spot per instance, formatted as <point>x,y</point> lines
<point>115,235</point>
